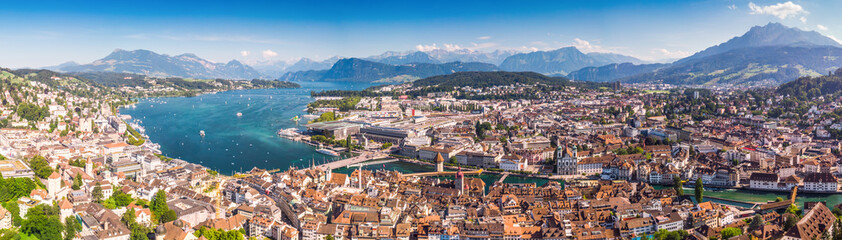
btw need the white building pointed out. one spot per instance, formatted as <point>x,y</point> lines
<point>820,182</point>
<point>512,162</point>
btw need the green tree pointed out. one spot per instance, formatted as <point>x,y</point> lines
<point>329,237</point>
<point>348,143</point>
<point>793,210</point>
<point>159,204</point>
<point>42,221</point>
<point>218,234</point>
<point>790,222</point>
<point>77,182</point>
<point>169,216</point>
<point>663,234</point>
<point>40,166</point>
<point>71,227</point>
<point>699,191</point>
<point>121,199</point>
<point>676,184</point>
<point>730,232</point>
<point>756,223</point>
<point>97,193</point>
<point>129,218</point>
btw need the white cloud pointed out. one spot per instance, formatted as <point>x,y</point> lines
<point>732,7</point>
<point>431,47</point>
<point>803,19</point>
<point>664,53</point>
<point>821,27</point>
<point>484,38</point>
<point>780,10</point>
<point>586,46</point>
<point>269,53</point>
<point>244,53</point>
<point>455,47</point>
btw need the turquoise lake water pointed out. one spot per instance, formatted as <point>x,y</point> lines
<point>233,143</point>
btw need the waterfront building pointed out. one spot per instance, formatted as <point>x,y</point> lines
<point>820,182</point>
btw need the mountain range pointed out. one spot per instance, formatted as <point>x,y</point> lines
<point>765,55</point>
<point>360,70</point>
<point>161,65</point>
<point>770,54</point>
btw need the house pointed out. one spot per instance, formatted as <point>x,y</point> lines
<point>637,227</point>
<point>5,218</point>
<point>513,162</point>
<point>820,182</point>
<point>763,181</point>
<point>592,165</point>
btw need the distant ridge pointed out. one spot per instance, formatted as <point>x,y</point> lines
<point>160,65</point>
<point>360,70</point>
<point>560,61</point>
<point>764,56</point>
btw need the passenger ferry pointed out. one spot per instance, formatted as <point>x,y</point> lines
<point>328,152</point>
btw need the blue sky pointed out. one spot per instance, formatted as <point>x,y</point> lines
<point>42,33</point>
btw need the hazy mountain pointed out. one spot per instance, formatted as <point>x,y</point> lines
<point>161,65</point>
<point>272,69</point>
<point>60,66</point>
<point>308,64</point>
<point>359,70</point>
<point>613,71</point>
<point>754,66</point>
<point>559,61</point>
<point>765,55</point>
<point>772,34</point>
<point>396,58</point>
<point>615,58</point>
<point>465,55</point>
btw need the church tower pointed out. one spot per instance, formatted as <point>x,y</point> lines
<point>459,183</point>
<point>54,184</point>
<point>89,168</point>
<point>439,163</point>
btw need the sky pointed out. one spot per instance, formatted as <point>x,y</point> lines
<point>45,33</point>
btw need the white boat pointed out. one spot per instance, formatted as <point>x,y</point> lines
<point>328,152</point>
<point>202,133</point>
<point>289,132</point>
<point>239,114</point>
